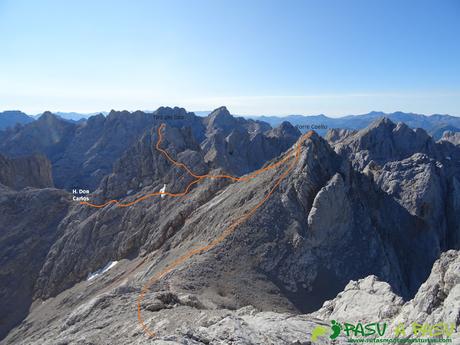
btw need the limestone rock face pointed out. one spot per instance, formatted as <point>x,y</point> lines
<point>32,171</point>
<point>325,224</point>
<point>337,134</point>
<point>417,172</point>
<point>368,299</point>
<point>365,300</point>
<point>143,167</point>
<point>452,137</point>
<point>438,299</point>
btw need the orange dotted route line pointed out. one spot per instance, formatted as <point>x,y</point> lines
<point>228,231</point>
<point>187,189</point>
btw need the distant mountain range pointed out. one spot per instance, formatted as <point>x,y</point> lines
<point>435,124</point>
<point>73,116</point>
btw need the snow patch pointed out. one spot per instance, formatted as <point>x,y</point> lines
<point>102,270</point>
<point>162,190</point>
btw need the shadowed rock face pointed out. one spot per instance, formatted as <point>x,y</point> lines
<point>345,211</point>
<point>420,174</point>
<point>29,225</point>
<point>369,299</point>
<point>18,173</point>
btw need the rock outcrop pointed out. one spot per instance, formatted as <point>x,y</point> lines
<point>452,137</point>
<point>370,300</point>
<point>438,299</point>
<point>32,171</point>
<point>366,300</point>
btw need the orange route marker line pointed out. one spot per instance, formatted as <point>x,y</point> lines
<point>228,231</point>
<point>187,189</point>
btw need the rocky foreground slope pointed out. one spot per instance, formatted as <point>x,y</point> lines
<point>369,300</point>
<point>182,318</point>
<point>382,201</point>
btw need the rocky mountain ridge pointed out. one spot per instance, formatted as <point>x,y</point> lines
<point>83,153</point>
<point>434,124</point>
<point>354,196</point>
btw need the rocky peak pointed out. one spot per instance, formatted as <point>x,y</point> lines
<point>114,114</point>
<point>221,111</point>
<point>385,141</point>
<point>285,129</point>
<point>95,120</point>
<point>171,111</point>
<point>335,135</point>
<point>380,129</point>
<point>221,119</point>
<point>50,119</point>
<point>382,123</point>
<point>47,135</point>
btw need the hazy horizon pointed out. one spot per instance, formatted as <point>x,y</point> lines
<point>202,112</point>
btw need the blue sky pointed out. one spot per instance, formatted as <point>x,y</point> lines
<point>256,57</point>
